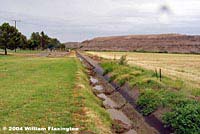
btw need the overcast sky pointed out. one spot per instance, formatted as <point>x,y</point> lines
<point>78,20</point>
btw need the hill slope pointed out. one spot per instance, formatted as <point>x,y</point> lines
<point>172,43</point>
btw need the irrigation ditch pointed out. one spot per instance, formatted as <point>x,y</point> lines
<point>120,102</point>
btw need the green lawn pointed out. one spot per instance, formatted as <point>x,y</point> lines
<point>18,51</point>
<point>43,92</point>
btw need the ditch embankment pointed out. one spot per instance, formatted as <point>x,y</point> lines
<point>120,98</point>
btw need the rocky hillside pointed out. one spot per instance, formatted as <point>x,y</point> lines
<point>172,43</point>
<point>72,45</point>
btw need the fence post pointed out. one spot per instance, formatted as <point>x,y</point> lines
<point>156,73</point>
<point>160,74</point>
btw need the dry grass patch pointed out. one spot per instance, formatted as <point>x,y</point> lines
<point>177,66</point>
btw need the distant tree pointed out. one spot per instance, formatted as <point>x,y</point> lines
<point>35,40</point>
<point>44,40</point>
<point>23,43</point>
<point>61,46</point>
<point>16,41</point>
<point>8,36</point>
<point>11,38</point>
<point>32,44</point>
<point>11,44</point>
<point>53,43</point>
<point>29,44</point>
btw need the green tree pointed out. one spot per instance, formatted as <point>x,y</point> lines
<point>44,40</point>
<point>8,36</point>
<point>61,47</point>
<point>11,38</point>
<point>35,40</point>
<point>53,43</point>
<point>23,43</point>
<point>15,41</point>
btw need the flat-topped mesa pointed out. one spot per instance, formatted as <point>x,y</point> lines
<point>171,43</point>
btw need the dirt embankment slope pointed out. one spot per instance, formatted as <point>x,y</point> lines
<point>172,43</point>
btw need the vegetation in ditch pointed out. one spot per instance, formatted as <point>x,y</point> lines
<point>183,115</point>
<point>122,60</point>
<point>149,101</point>
<point>184,118</point>
<point>139,77</point>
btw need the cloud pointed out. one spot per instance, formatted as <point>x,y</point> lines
<point>78,20</point>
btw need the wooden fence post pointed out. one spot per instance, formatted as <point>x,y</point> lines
<point>156,73</point>
<point>160,74</point>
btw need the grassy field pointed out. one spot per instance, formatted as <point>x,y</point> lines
<point>178,66</point>
<point>18,51</point>
<point>44,92</point>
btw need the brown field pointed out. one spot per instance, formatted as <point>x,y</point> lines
<point>180,66</point>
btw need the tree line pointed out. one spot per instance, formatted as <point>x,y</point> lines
<point>11,38</point>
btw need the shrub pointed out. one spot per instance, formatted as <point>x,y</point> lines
<point>106,71</point>
<point>122,80</point>
<point>149,83</point>
<point>108,67</point>
<point>122,60</point>
<point>184,118</point>
<point>149,101</point>
<point>196,92</point>
<point>135,73</point>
